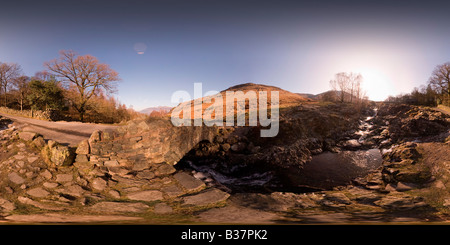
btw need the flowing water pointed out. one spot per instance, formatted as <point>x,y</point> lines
<point>327,170</point>
<point>324,171</point>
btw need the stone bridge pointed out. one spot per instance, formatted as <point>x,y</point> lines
<point>141,144</point>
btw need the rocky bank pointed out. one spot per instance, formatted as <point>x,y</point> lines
<point>136,174</point>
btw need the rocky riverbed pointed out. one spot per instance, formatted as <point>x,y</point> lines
<point>151,172</point>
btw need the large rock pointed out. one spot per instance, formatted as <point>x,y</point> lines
<point>38,192</point>
<point>190,183</point>
<point>95,137</point>
<point>27,136</point>
<point>147,196</point>
<point>210,197</point>
<point>58,155</point>
<point>83,148</point>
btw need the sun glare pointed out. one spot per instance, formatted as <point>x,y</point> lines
<point>376,84</point>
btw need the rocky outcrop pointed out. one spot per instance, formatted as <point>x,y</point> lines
<point>405,122</point>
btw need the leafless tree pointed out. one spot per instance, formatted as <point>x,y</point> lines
<point>340,85</point>
<point>440,81</point>
<point>85,75</point>
<point>21,85</point>
<point>348,85</point>
<point>8,73</point>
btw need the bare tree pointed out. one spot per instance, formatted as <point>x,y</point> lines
<point>355,81</point>
<point>8,73</point>
<point>84,74</point>
<point>340,85</point>
<point>21,85</point>
<point>347,85</point>
<point>440,81</point>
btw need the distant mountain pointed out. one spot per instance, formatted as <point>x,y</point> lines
<point>329,95</point>
<point>309,96</point>
<point>286,97</point>
<point>149,110</point>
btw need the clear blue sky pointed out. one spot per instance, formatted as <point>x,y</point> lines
<point>295,45</point>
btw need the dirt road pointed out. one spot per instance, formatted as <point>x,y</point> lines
<point>69,133</point>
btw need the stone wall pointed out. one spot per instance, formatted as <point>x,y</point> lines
<point>49,114</point>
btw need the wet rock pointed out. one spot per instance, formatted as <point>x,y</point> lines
<point>210,197</point>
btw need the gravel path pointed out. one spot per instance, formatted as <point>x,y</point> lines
<point>69,133</point>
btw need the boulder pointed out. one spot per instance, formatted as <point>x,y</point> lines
<point>57,155</point>
<point>27,136</point>
<point>61,155</point>
<point>83,148</point>
<point>39,142</point>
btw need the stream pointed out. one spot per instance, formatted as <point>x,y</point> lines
<point>325,170</point>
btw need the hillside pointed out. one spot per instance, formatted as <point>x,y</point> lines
<point>329,95</point>
<point>286,98</point>
<point>149,110</point>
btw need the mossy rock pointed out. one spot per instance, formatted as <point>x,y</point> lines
<point>418,174</point>
<point>58,155</point>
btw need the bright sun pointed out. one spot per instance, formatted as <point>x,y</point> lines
<point>376,84</point>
